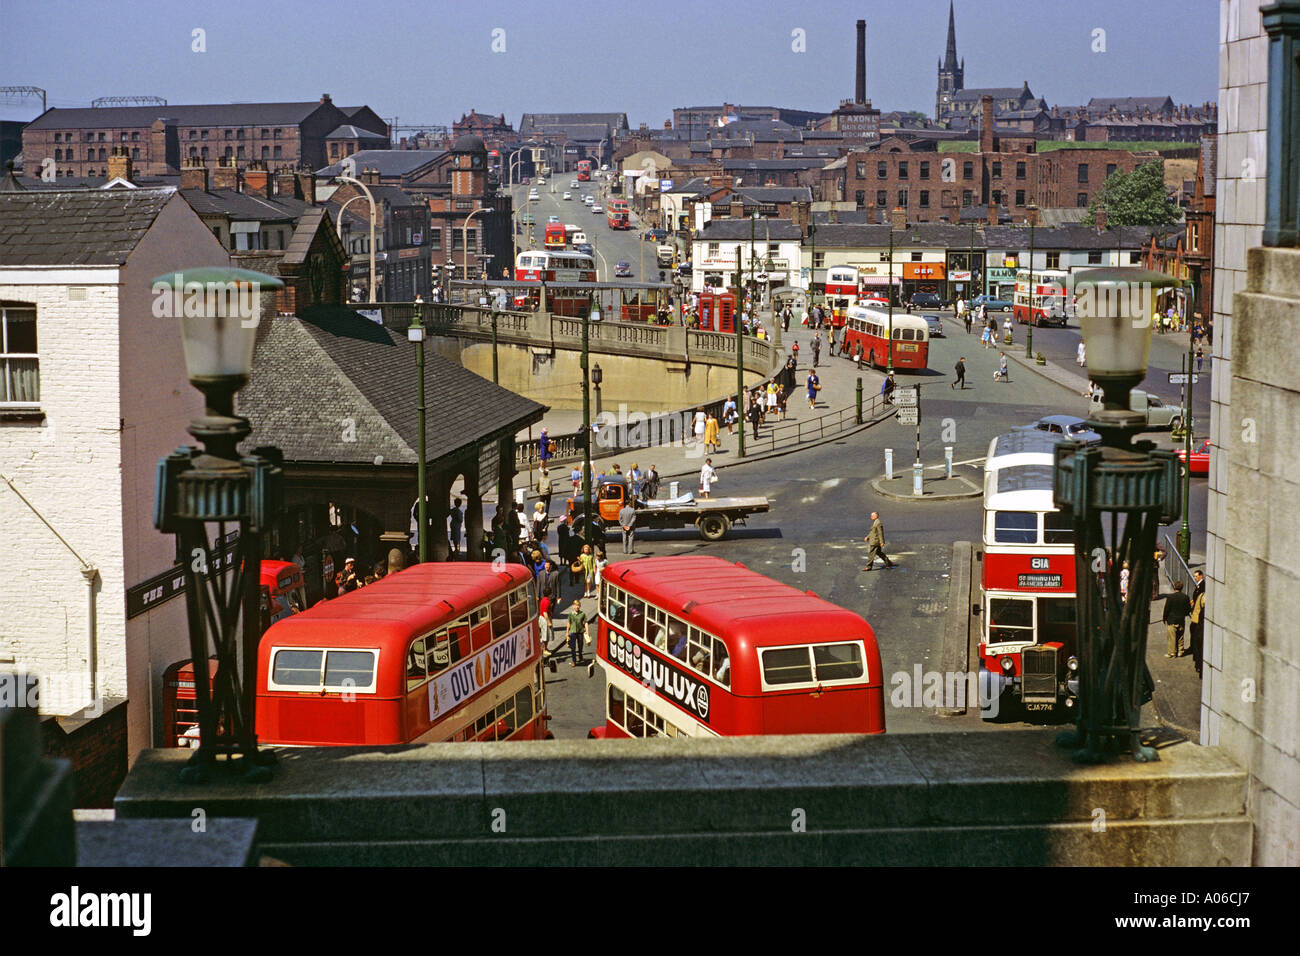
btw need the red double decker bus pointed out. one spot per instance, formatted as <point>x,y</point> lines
<point>437,652</point>
<point>584,170</point>
<point>558,269</point>
<point>871,328</point>
<point>698,646</point>
<point>616,214</point>
<point>555,236</point>
<point>1028,581</point>
<point>841,292</point>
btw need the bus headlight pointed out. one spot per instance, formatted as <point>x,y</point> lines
<point>1072,664</point>
<point>1007,664</point>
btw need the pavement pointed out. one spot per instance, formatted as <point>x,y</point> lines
<point>934,486</point>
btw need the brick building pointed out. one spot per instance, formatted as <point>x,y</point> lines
<point>96,393</point>
<point>1005,171</point>
<point>78,141</point>
<point>455,240</point>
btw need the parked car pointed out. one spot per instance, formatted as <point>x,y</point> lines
<point>532,195</point>
<point>1071,426</point>
<point>935,325</point>
<point>526,218</point>
<point>1158,414</point>
<point>623,269</point>
<point>585,248</point>
<point>551,219</point>
<point>684,269</point>
<point>568,195</point>
<point>991,302</point>
<point>596,209</point>
<point>1200,457</point>
<point>655,235</point>
<point>926,300</point>
<point>588,200</point>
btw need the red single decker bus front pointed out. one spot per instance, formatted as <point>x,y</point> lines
<point>697,646</point>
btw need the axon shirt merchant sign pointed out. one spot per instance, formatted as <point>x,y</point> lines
<point>449,690</point>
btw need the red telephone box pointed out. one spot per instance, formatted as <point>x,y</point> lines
<point>180,704</point>
<point>717,311</point>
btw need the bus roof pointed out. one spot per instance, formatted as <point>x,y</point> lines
<point>902,320</point>
<point>388,613</point>
<point>729,600</point>
<point>1021,441</point>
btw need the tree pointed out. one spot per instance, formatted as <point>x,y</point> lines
<point>1138,198</point>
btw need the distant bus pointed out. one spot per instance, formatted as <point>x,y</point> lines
<point>870,328</point>
<point>1049,302</point>
<point>616,214</point>
<point>438,652</point>
<point>584,170</point>
<point>555,236</point>
<point>695,646</point>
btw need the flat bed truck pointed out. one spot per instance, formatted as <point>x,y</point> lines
<point>711,517</point>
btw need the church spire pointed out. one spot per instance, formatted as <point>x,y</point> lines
<point>950,54</point>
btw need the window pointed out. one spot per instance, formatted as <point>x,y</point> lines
<point>90,154</point>
<point>882,170</point>
<point>1193,233</point>
<point>966,197</point>
<point>902,170</point>
<point>916,257</point>
<point>902,198</point>
<point>862,170</point>
<point>968,170</point>
<point>787,665</point>
<point>837,661</point>
<point>1083,172</point>
<point>1053,260</point>
<point>819,260</point>
<point>925,199</point>
<point>277,152</point>
<point>101,137</point>
<point>58,137</point>
<point>266,152</point>
<point>320,669</point>
<point>1081,200</point>
<point>636,718</point>
<point>334,150</point>
<point>882,198</point>
<point>1094,257</point>
<point>1134,258</point>
<point>266,134</point>
<point>203,151</point>
<point>714,251</point>
<point>1110,170</point>
<point>1011,619</point>
<point>239,134</point>
<point>1057,528</point>
<point>997,197</point>
<point>1020,197</point>
<point>230,134</point>
<point>230,151</point>
<point>416,667</point>
<point>203,134</point>
<point>1015,527</point>
<point>194,134</point>
<point>435,237</point>
<point>859,198</point>
<point>815,664</point>
<point>102,155</point>
<point>239,152</point>
<point>277,133</point>
<point>20,381</point>
<point>58,155</point>
<point>925,169</point>
<point>997,170</point>
<point>1020,170</point>
<point>135,137</point>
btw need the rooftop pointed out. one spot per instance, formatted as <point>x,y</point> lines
<point>89,227</point>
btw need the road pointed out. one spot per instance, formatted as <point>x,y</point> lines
<point>821,500</point>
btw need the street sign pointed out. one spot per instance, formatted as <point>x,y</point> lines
<point>909,416</point>
<point>1180,378</point>
<point>906,397</point>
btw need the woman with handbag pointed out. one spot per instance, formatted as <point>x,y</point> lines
<point>587,562</point>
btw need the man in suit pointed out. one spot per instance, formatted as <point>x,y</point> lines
<point>1177,607</point>
<point>876,544</point>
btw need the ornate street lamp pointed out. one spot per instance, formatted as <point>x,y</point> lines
<point>588,535</point>
<point>1099,485</point>
<point>219,310</point>
<point>597,376</point>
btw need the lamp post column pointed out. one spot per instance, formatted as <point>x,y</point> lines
<point>416,334</point>
<point>740,365</point>
<point>1029,336</point>
<point>1185,532</point>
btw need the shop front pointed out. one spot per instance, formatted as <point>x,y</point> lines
<point>1001,281</point>
<point>925,277</point>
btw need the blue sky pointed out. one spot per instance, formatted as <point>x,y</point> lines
<point>430,61</point>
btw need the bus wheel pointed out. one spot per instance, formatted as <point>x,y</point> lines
<point>713,527</point>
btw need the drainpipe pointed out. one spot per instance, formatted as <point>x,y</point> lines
<point>90,573</point>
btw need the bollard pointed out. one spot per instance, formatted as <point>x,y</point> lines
<point>672,490</point>
<point>917,469</point>
<point>947,460</point>
<point>859,399</point>
<point>889,464</point>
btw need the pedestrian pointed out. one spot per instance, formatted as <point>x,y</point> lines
<point>785,318</point>
<point>1123,583</point>
<point>986,336</point>
<point>457,521</point>
<point>771,399</point>
<point>781,397</point>
<point>697,425</point>
<point>1081,354</point>
<point>541,522</point>
<point>577,627</point>
<point>636,479</point>
<point>1002,374</point>
<point>1198,619</point>
<point>1177,607</point>
<point>575,476</point>
<point>876,544</point>
<point>755,411</point>
<point>544,447</point>
<point>813,385</point>
<point>959,308</point>
<point>817,348</point>
<point>710,434</point>
<point>708,475</point>
<point>729,414</point>
<point>830,339</point>
<point>1006,329</point>
<point>961,373</point>
<point>1155,578</point>
<point>545,486</point>
<point>627,521</point>
<point>588,561</point>
<point>551,581</point>
<point>568,549</point>
<point>887,389</point>
<point>966,320</point>
<point>794,354</point>
<point>1200,357</point>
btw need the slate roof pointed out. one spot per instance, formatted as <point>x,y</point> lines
<point>1209,162</point>
<point>348,131</point>
<point>776,193</point>
<point>210,114</point>
<point>533,124</point>
<point>389,162</point>
<point>1129,104</point>
<point>244,206</point>
<point>312,373</point>
<point>92,227</point>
